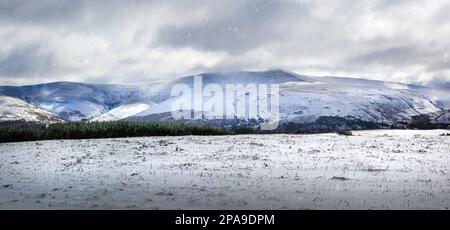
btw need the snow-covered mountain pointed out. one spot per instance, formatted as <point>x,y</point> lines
<point>16,110</point>
<point>75,101</point>
<point>163,109</point>
<point>316,101</point>
<point>307,99</point>
<point>123,111</point>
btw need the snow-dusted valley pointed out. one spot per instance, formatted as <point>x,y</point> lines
<point>384,169</point>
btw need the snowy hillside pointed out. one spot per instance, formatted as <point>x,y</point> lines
<point>123,111</point>
<point>443,117</point>
<point>75,101</point>
<point>361,99</point>
<point>303,99</point>
<point>16,110</point>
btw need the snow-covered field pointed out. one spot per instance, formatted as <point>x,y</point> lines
<point>385,169</point>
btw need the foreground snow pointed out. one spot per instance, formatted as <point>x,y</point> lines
<point>386,169</point>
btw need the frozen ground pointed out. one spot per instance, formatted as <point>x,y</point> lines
<point>386,169</point>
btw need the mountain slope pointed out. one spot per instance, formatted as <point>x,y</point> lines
<point>303,99</point>
<point>368,101</point>
<point>75,101</point>
<point>16,110</point>
<point>123,112</point>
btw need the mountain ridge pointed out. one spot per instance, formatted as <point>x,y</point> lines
<point>303,99</point>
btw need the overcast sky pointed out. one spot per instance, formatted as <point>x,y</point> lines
<point>141,41</point>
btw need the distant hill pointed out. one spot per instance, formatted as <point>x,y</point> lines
<point>304,100</point>
<point>13,110</point>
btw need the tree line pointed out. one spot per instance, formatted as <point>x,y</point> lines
<point>93,130</point>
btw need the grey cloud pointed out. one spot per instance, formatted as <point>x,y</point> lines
<point>114,41</point>
<point>404,56</point>
<point>43,12</point>
<point>236,28</point>
<point>394,56</point>
<point>24,61</point>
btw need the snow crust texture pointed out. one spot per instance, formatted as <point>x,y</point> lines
<point>384,169</point>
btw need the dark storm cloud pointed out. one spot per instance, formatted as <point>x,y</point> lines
<point>115,41</point>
